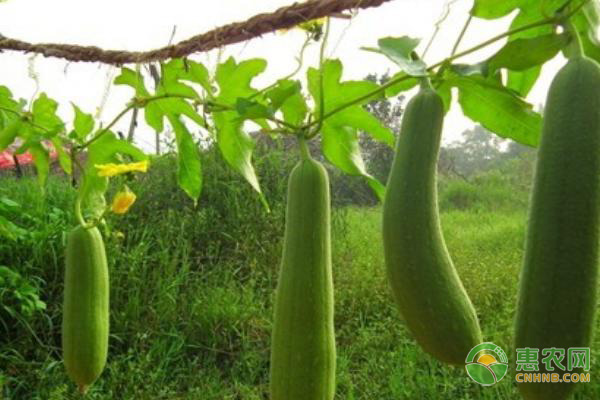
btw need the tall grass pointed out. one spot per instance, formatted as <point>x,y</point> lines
<point>192,290</point>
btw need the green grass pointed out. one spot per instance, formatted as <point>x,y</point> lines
<point>192,291</point>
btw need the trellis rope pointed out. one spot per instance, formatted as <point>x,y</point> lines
<point>285,17</point>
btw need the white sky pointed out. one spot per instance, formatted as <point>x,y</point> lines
<point>147,24</point>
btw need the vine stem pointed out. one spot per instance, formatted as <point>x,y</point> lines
<point>78,213</point>
<point>300,61</point>
<point>321,86</point>
<point>109,126</point>
<point>461,35</point>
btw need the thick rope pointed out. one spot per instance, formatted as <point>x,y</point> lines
<point>285,17</point>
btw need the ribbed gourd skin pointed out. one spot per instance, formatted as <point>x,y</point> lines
<point>303,342</point>
<point>85,309</point>
<point>425,284</point>
<point>558,283</point>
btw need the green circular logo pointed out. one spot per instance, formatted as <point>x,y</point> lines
<point>486,364</point>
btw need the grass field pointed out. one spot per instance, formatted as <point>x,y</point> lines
<point>192,291</point>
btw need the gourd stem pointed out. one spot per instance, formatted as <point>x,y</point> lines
<point>304,151</point>
<point>575,46</point>
<point>425,83</point>
<point>79,214</point>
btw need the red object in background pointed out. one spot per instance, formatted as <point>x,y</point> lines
<point>7,161</point>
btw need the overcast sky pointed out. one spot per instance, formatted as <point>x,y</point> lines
<point>147,24</point>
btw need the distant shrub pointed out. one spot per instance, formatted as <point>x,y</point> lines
<point>459,195</point>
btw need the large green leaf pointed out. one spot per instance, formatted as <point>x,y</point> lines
<point>287,96</point>
<point>7,102</point>
<point>251,109</point>
<point>188,70</point>
<point>340,131</point>
<point>498,109</point>
<point>340,146</point>
<point>156,110</point>
<point>521,54</point>
<point>169,80</point>
<point>44,115</point>
<point>337,93</point>
<point>522,81</point>
<point>234,81</point>
<point>133,79</point>
<point>189,169</point>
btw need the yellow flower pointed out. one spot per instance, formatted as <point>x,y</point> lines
<point>122,201</point>
<point>117,169</point>
<point>308,26</point>
<point>312,26</point>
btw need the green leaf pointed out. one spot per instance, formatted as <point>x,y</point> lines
<point>155,111</point>
<point>522,81</point>
<point>235,145</point>
<point>177,88</point>
<point>63,157</point>
<point>364,121</point>
<point>492,9</point>
<point>44,115</point>
<point>339,93</point>
<point>400,51</point>
<point>340,147</point>
<point>340,131</point>
<point>171,73</point>
<point>287,96</point>
<point>7,101</point>
<point>250,109</point>
<point>498,109</point>
<point>104,150</point>
<point>9,133</point>
<point>190,71</point>
<point>404,85</point>
<point>41,159</point>
<point>189,171</point>
<point>281,92</point>
<point>522,54</point>
<point>83,124</point>
<point>445,92</point>
<point>154,114</point>
<point>234,81</point>
<point>133,79</point>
